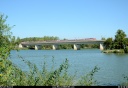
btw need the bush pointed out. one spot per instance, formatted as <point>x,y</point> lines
<point>118,51</point>
<point>126,49</point>
<point>34,77</point>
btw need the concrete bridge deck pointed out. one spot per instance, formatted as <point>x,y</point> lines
<point>57,42</point>
<point>63,42</point>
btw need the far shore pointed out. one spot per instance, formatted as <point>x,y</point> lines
<point>114,51</point>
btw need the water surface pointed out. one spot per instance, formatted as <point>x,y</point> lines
<point>112,66</point>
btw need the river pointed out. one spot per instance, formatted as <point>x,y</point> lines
<point>112,66</point>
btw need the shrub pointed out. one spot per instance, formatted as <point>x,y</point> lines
<point>118,51</point>
<point>126,49</point>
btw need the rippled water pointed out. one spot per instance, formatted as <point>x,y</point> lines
<point>113,67</point>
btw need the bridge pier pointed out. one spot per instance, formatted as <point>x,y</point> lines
<point>76,43</point>
<point>101,46</point>
<point>20,46</point>
<point>55,47</point>
<point>37,47</point>
<point>76,47</point>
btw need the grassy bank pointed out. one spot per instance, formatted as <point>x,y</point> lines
<point>114,51</point>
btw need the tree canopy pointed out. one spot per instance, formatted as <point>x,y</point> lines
<point>5,37</point>
<point>108,43</point>
<point>45,38</point>
<point>120,39</point>
<point>119,42</point>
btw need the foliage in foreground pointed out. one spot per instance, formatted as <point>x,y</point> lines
<point>11,75</point>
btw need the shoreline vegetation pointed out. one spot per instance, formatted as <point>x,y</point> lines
<point>12,75</point>
<point>113,51</point>
<point>117,45</point>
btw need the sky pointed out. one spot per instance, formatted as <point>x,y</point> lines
<point>71,19</point>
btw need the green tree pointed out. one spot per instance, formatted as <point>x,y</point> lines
<point>103,38</point>
<point>120,40</point>
<point>126,42</point>
<point>108,43</point>
<point>5,37</point>
<point>18,40</point>
<point>5,48</point>
<point>126,46</point>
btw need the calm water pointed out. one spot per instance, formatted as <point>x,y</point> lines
<point>112,66</point>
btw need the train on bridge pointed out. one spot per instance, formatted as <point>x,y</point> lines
<point>55,43</point>
<point>79,39</point>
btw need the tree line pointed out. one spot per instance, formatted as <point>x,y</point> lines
<point>45,38</point>
<point>119,42</point>
<point>49,38</point>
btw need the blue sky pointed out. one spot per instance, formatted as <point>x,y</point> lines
<point>66,18</point>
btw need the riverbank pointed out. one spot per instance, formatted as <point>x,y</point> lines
<point>114,51</point>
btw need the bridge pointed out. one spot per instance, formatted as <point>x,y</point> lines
<point>55,43</point>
